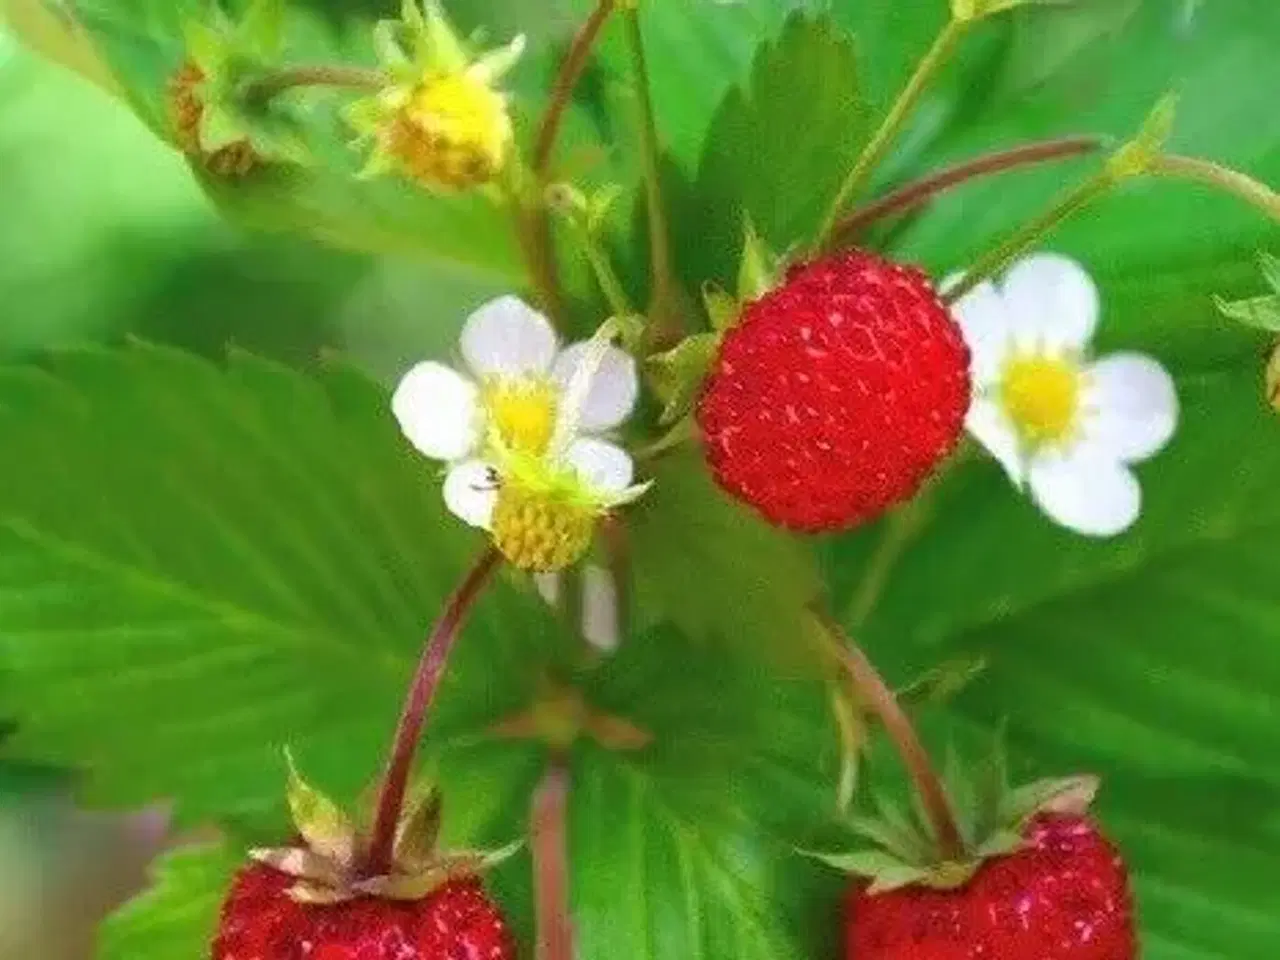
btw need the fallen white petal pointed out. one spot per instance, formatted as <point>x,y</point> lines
<point>1086,492</point>
<point>1051,301</point>
<point>507,337</point>
<point>985,323</point>
<point>987,423</point>
<point>604,466</point>
<point>600,608</point>
<point>438,411</point>
<point>613,390</point>
<point>471,492</point>
<point>1134,404</point>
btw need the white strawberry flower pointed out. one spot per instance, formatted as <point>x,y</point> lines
<point>520,396</point>
<point>1065,427</point>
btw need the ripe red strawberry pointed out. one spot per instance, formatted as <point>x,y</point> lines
<point>260,921</point>
<point>319,900</point>
<point>836,394</point>
<point>1064,896</point>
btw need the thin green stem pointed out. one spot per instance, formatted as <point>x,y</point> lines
<point>1027,236</point>
<point>426,681</point>
<point>663,309</point>
<point>893,122</point>
<point>533,232</point>
<point>606,276</point>
<point>919,192</point>
<point>880,700</point>
<point>571,69</point>
<point>1224,178</point>
<point>270,85</point>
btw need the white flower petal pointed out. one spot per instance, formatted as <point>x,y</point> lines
<point>1134,404</point>
<point>987,423</point>
<point>1086,491</point>
<point>985,323</point>
<point>471,492</point>
<point>438,411</point>
<point>613,391</point>
<point>548,585</point>
<point>509,338</point>
<point>600,608</point>
<point>602,465</point>
<point>1051,301</point>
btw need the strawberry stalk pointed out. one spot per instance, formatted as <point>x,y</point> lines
<point>550,843</point>
<point>879,698</point>
<point>919,192</point>
<point>426,680</point>
<point>575,62</point>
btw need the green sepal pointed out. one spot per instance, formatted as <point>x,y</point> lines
<point>759,268</point>
<point>723,310</point>
<point>320,822</point>
<point>679,373</point>
<point>1261,312</point>
<point>418,832</point>
<point>1139,155</point>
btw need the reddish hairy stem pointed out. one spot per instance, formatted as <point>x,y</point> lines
<point>877,696</point>
<point>431,667</point>
<point>575,62</point>
<point>920,191</point>
<point>550,842</point>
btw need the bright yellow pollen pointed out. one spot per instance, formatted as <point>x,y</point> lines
<point>453,132</point>
<point>1041,395</point>
<point>541,533</point>
<point>523,412</point>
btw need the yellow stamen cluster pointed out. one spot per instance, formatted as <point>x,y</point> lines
<point>1041,395</point>
<point>522,413</point>
<point>450,132</point>
<point>540,532</point>
<point>186,111</point>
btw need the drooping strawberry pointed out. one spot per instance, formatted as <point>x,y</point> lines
<point>836,394</point>
<point>982,871</point>
<point>315,900</point>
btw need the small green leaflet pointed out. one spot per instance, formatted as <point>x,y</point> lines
<point>1263,312</point>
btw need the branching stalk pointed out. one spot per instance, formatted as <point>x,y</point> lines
<point>1224,178</point>
<point>918,192</point>
<point>575,62</point>
<point>880,700</point>
<point>426,680</point>
<point>269,86</point>
<point>892,124</point>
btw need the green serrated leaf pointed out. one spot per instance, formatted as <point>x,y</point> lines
<point>262,27</point>
<point>176,918</point>
<point>1270,265</point>
<point>805,82</point>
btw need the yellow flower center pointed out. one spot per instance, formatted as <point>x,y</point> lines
<point>453,132</point>
<point>523,412</point>
<point>539,532</point>
<point>1041,395</point>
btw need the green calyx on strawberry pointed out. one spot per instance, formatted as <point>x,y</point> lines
<point>328,864</point>
<point>991,816</point>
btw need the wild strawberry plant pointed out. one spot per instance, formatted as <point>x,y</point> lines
<point>816,338</point>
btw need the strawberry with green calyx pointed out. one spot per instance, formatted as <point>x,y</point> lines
<point>986,870</point>
<point>317,898</point>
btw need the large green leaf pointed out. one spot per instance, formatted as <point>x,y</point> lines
<point>255,564</point>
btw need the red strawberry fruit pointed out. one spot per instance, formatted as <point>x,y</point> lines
<point>316,900</point>
<point>1063,896</point>
<point>1029,877</point>
<point>836,394</point>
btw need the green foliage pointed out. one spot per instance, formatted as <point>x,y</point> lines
<point>777,150</point>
